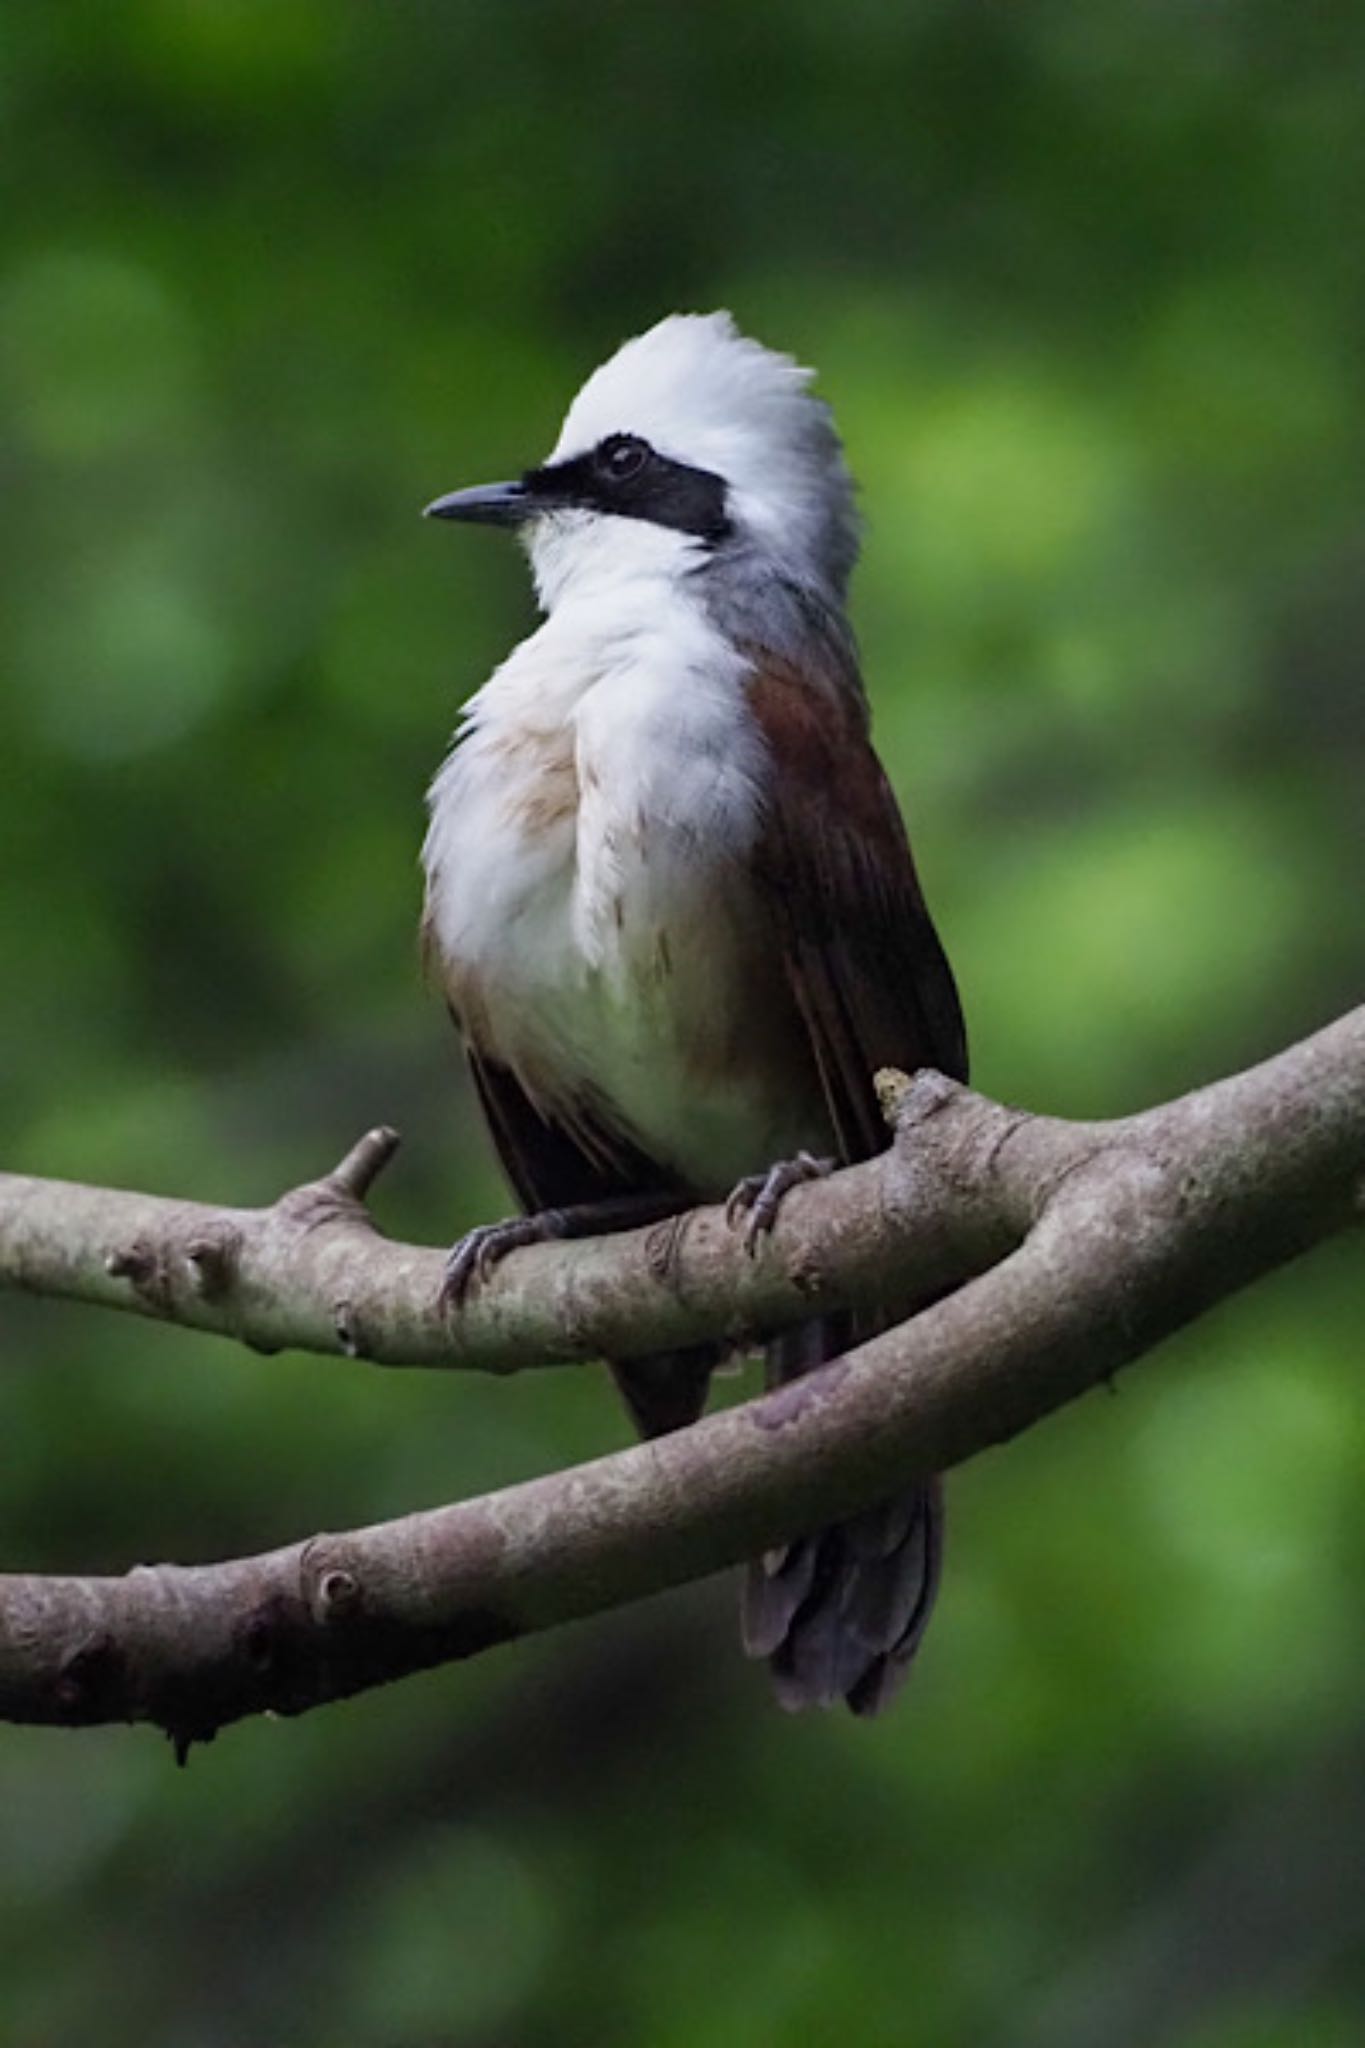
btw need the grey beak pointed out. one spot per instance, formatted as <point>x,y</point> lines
<point>484,505</point>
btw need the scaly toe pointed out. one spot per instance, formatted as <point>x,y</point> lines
<point>473,1257</point>
<point>464,1265</point>
<point>761,1195</point>
<point>743,1195</point>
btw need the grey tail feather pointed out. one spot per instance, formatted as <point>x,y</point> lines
<point>668,1389</point>
<point>839,1615</point>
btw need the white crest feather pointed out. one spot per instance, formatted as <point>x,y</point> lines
<point>702,393</point>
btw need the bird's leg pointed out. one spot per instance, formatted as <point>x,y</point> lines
<point>473,1256</point>
<point>759,1196</point>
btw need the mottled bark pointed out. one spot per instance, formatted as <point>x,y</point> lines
<point>1074,1249</point>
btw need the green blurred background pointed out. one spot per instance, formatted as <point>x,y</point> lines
<point>1085,284</point>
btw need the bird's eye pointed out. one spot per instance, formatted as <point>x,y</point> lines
<point>621,457</point>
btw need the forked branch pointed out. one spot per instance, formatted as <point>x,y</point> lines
<point>1074,1248</point>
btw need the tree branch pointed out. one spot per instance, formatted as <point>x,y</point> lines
<point>1080,1246</point>
<point>313,1273</point>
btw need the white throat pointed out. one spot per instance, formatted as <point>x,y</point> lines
<point>606,561</point>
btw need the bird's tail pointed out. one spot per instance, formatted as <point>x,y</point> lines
<point>667,1389</point>
<point>840,1614</point>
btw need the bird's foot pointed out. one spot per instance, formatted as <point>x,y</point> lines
<point>759,1196</point>
<point>472,1257</point>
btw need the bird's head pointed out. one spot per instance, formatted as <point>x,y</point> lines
<point>691,443</point>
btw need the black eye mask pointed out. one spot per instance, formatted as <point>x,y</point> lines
<point>625,476</point>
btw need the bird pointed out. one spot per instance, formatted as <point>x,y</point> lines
<point>671,904</point>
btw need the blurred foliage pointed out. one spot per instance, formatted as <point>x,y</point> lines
<point>1085,286</point>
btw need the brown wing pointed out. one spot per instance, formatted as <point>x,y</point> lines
<point>554,1164</point>
<point>840,1613</point>
<point>867,972</point>
<point>549,1168</point>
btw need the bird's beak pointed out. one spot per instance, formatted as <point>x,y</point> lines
<point>485,505</point>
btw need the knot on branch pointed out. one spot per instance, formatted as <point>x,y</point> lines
<point>330,1581</point>
<point>346,1323</point>
<point>147,1269</point>
<point>944,1127</point>
<point>90,1679</point>
<point>263,1632</point>
<point>157,1270</point>
<point>913,1098</point>
<point>663,1247</point>
<point>214,1255</point>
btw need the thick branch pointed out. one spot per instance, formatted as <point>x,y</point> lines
<point>313,1273</point>
<point>1107,1237</point>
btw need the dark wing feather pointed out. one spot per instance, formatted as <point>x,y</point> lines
<point>556,1164</point>
<point>840,1613</point>
<point>860,953</point>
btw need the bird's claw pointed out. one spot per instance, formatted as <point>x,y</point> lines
<point>759,1196</point>
<point>471,1258</point>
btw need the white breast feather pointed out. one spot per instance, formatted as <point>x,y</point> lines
<point>598,935</point>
